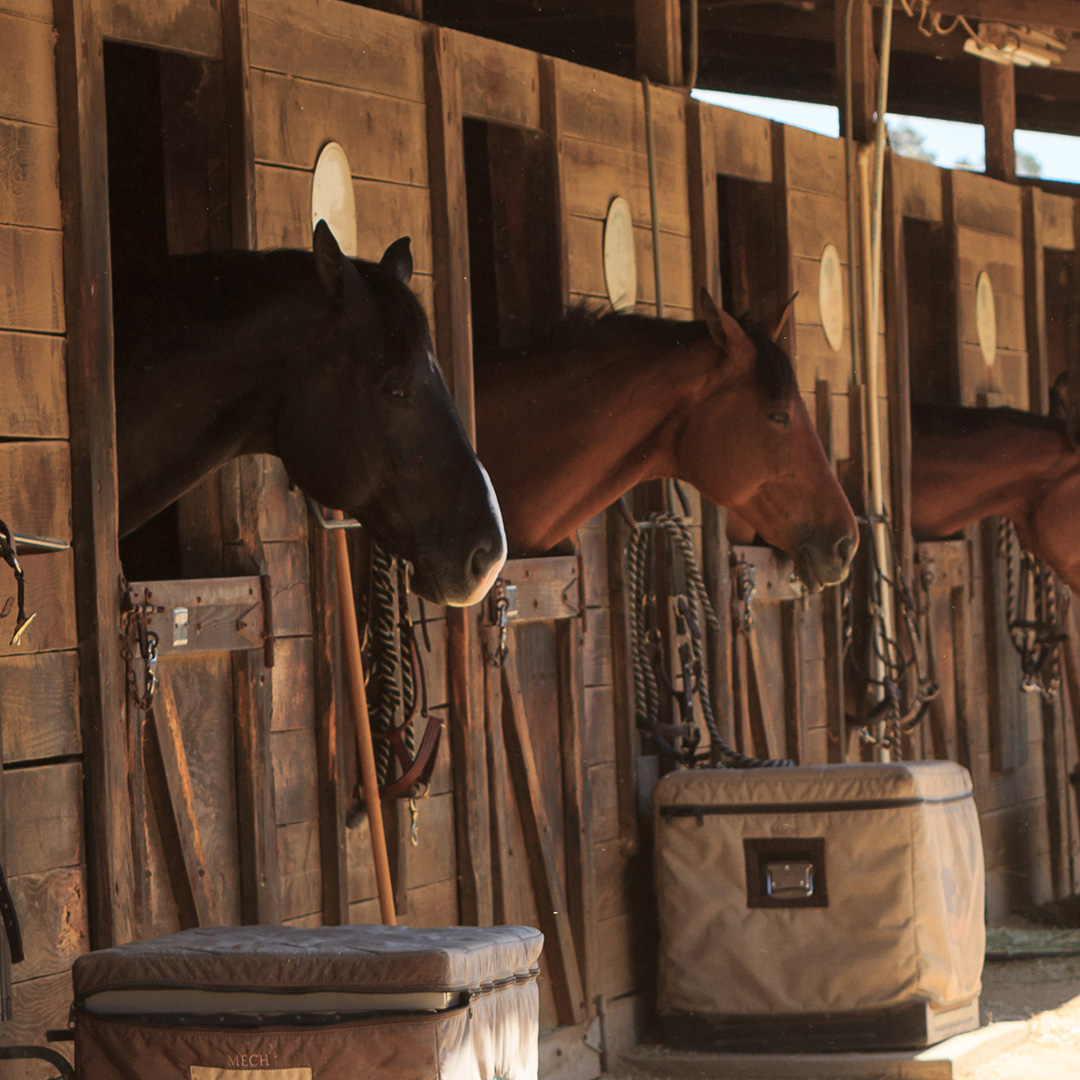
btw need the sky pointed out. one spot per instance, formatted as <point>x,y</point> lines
<point>949,141</point>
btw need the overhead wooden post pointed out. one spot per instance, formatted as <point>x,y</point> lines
<point>88,306</point>
<point>997,92</point>
<point>864,64</point>
<point>658,41</point>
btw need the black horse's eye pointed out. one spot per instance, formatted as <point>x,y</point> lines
<point>780,417</point>
<point>396,388</point>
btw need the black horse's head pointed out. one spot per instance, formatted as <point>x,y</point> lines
<point>372,430</point>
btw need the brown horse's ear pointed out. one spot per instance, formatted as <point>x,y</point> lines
<point>720,324</point>
<point>774,325</point>
<point>397,260</point>
<point>339,277</point>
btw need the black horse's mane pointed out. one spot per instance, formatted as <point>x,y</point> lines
<point>584,328</point>
<point>958,420</point>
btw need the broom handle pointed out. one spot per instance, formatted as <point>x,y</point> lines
<point>366,750</point>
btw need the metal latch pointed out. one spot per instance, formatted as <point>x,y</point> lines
<point>789,879</point>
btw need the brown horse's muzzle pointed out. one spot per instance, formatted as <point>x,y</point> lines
<point>825,561</point>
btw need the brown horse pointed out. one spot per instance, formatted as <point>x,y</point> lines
<point>968,464</point>
<point>619,399</point>
<point>327,363</point>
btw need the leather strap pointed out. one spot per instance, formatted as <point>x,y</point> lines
<point>11,920</point>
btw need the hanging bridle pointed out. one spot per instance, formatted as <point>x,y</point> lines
<point>7,553</point>
<point>1030,585</point>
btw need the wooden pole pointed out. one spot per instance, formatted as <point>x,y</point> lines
<point>364,746</point>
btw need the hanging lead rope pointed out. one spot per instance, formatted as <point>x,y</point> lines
<point>887,668</point>
<point>694,609</point>
<point>1031,584</point>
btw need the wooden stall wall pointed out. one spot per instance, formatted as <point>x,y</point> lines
<point>41,789</point>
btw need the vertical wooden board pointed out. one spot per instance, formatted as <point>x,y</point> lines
<point>592,544</point>
<point>599,734</point>
<point>814,162</point>
<point>597,658</point>
<point>676,270</point>
<point>433,859</point>
<point>605,808</point>
<point>918,187</point>
<point>202,690</point>
<point>499,83</point>
<point>292,680</point>
<point>30,194</point>
<point>301,877</point>
<point>43,816</point>
<point>31,290</point>
<point>743,144</point>
<point>51,906</point>
<point>39,711</point>
<point>295,796</point>
<point>33,381</point>
<point>383,137</point>
<point>433,905</point>
<point>287,565</point>
<point>986,204</point>
<point>28,88</point>
<point>337,43</point>
<point>622,956</point>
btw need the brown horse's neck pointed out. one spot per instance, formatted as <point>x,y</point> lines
<point>967,464</point>
<point>569,434</point>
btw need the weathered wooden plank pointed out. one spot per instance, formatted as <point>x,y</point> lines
<point>592,544</point>
<point>31,290</point>
<point>301,876</point>
<point>337,43</point>
<point>287,565</point>
<point>291,117</point>
<point>434,858</point>
<point>1009,318</point>
<point>29,160</point>
<point>40,1004</point>
<point>814,163</point>
<point>918,188</point>
<point>293,754</point>
<point>50,593</point>
<point>623,957</point>
<point>384,212</point>
<point>814,220</point>
<point>35,487</point>
<point>743,144</point>
<point>1056,220</point>
<point>540,844</point>
<point>499,83</point>
<point>658,40</point>
<point>33,387</point>
<point>189,26</point>
<point>256,487</point>
<point>597,662</point>
<point>603,783</point>
<point>43,817</point>
<point>594,174</point>
<point>28,89</point>
<point>292,680</point>
<point>987,204</point>
<point>52,914</point>
<point>39,710</point>
<point>38,10</point>
<point>545,588</point>
<point>609,110</point>
<point>997,97</point>
<point>599,717</point>
<point>1002,257</point>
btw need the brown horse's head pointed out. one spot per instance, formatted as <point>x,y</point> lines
<point>750,445</point>
<point>371,429</point>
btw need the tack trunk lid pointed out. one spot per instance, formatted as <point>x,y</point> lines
<point>453,1003</point>
<point>818,892</point>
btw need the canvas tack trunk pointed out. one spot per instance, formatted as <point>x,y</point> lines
<point>829,907</point>
<point>337,1003</point>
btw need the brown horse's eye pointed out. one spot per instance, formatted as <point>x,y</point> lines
<point>780,417</point>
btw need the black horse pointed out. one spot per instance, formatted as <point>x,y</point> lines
<point>326,362</point>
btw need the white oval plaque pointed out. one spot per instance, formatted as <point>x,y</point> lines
<point>830,294</point>
<point>985,317</point>
<point>332,198</point>
<point>620,266</point>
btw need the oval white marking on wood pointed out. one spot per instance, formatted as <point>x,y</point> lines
<point>332,198</point>
<point>985,317</point>
<point>620,264</point>
<point>831,297</point>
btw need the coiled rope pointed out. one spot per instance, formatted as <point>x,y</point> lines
<point>695,608</point>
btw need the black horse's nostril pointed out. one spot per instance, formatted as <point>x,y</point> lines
<point>845,548</point>
<point>483,557</point>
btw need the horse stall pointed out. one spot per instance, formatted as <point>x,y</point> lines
<point>185,128</point>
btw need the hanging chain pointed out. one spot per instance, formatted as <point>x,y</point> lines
<point>502,622</point>
<point>693,610</point>
<point>745,591</point>
<point>1030,586</point>
<point>896,717</point>
<point>136,625</point>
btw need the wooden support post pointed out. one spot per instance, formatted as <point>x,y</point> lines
<point>997,91</point>
<point>1035,300</point>
<point>234,41</point>
<point>551,905</point>
<point>88,308</point>
<point>863,67</point>
<point>658,40</point>
<point>704,208</point>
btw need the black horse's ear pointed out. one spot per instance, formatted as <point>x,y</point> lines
<point>397,260</point>
<point>339,277</point>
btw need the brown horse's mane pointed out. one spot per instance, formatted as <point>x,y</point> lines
<point>959,420</point>
<point>586,328</point>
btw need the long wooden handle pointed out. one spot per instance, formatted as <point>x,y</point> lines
<point>366,750</point>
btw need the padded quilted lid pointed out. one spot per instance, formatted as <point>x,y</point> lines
<point>915,781</point>
<point>375,959</point>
